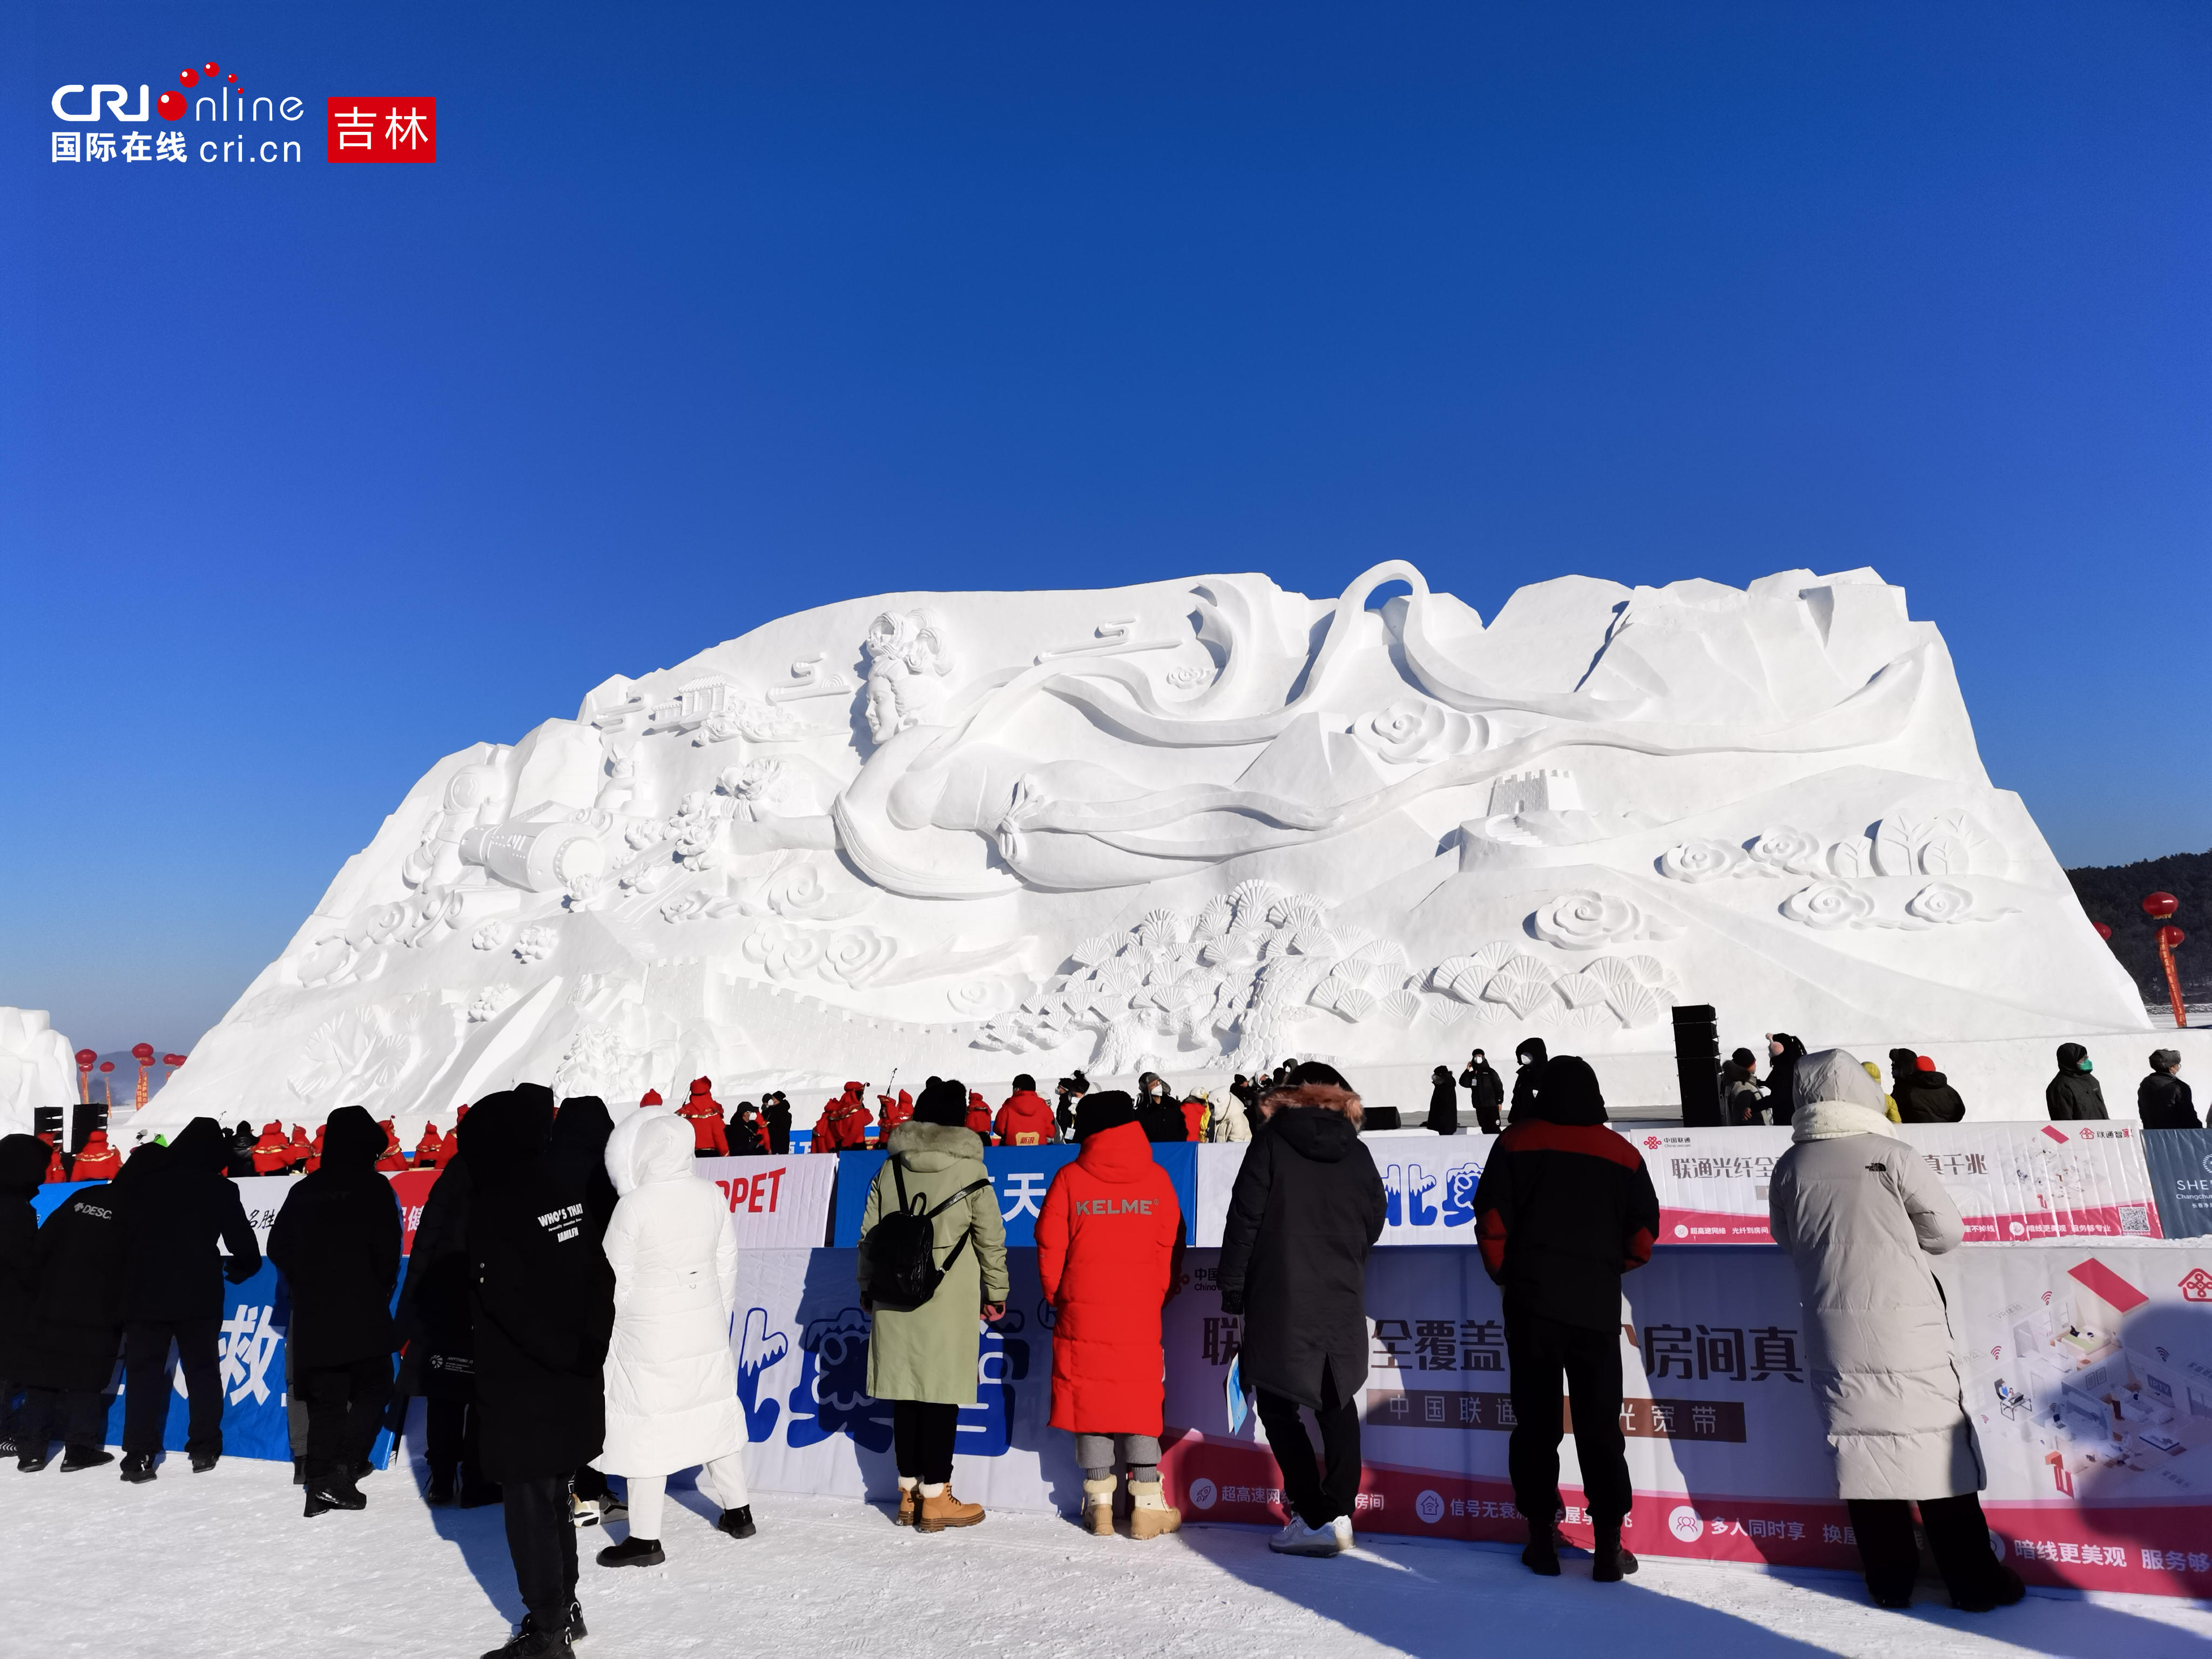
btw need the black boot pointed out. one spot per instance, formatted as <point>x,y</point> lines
<point>1609,1563</point>
<point>205,1460</point>
<point>441,1487</point>
<point>30,1459</point>
<point>633,1552</point>
<point>329,1487</point>
<point>575,1632</point>
<point>1541,1557</point>
<point>531,1641</point>
<point>84,1457</point>
<point>738,1522</point>
<point>137,1467</point>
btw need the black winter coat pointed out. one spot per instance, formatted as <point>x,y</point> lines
<point>337,1242</point>
<point>2074,1095</point>
<point>1561,1211</point>
<point>1444,1106</point>
<point>1307,1208</point>
<point>2163,1102</point>
<point>1524,1092</point>
<point>434,1318</point>
<point>779,1128</point>
<point>23,1161</point>
<point>1928,1097</point>
<point>177,1210</point>
<point>81,1256</point>
<point>1485,1092</point>
<point>541,1298</point>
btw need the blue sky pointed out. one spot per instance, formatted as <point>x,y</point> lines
<point>709,313</point>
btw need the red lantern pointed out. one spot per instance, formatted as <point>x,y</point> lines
<point>2172,938</point>
<point>106,1065</point>
<point>2158,906</point>
<point>2103,931</point>
<point>143,1053</point>
<point>86,1059</point>
<point>173,1060</point>
<point>2169,939</point>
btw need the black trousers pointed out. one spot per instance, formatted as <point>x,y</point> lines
<point>451,1431</point>
<point>1958,1537</point>
<point>541,1540</point>
<point>1540,1350</point>
<point>922,1432</point>
<point>345,1408</point>
<point>1316,1496</point>
<point>78,1415</point>
<point>146,1383</point>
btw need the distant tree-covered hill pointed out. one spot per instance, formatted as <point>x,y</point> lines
<point>2114,894</point>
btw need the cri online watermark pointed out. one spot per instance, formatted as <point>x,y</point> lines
<point>355,129</point>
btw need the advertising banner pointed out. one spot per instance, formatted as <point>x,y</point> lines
<point>2180,1161</point>
<point>775,1203</point>
<point>1021,1176</point>
<point>2012,1182</point>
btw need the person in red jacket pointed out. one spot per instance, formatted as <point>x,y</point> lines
<point>1025,1120</point>
<point>56,1169</point>
<point>1193,1118</point>
<point>1109,1254</point>
<point>705,1112</point>
<point>296,1149</point>
<point>314,1154</point>
<point>892,1113</point>
<point>979,1117</point>
<point>430,1148</point>
<point>394,1160</point>
<point>844,1123</point>
<point>650,1097</point>
<point>97,1161</point>
<point>272,1153</point>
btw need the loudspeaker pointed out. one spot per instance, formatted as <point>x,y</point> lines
<point>1698,1065</point>
<point>84,1117</point>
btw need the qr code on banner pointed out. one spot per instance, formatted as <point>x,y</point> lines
<point>2135,1219</point>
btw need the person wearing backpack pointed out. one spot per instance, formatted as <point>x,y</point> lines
<point>932,1252</point>
<point>1109,1245</point>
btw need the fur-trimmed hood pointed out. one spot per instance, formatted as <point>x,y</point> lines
<point>926,1148</point>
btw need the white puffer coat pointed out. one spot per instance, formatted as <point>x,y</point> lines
<point>1860,1214</point>
<point>671,1381</point>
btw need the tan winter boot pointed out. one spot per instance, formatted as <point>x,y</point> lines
<point>906,1503</point>
<point>940,1508</point>
<point>1149,1513</point>
<point>1098,1507</point>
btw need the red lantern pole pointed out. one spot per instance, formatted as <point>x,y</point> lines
<point>85,1060</point>
<point>106,1067</point>
<point>144,1053</point>
<point>2159,907</point>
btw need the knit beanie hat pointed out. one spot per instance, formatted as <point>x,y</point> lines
<point>943,1103</point>
<point>1107,1110</point>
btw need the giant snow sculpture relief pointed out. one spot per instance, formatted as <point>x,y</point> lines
<point>1190,822</point>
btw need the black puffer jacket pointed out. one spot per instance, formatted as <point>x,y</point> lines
<point>1530,1055</point>
<point>82,1256</point>
<point>576,1153</point>
<point>1928,1097</point>
<point>2074,1093</point>
<point>2163,1102</point>
<point>434,1319</point>
<point>1444,1104</point>
<point>1566,1206</point>
<point>541,1296</point>
<point>1306,1209</point>
<point>177,1210</point>
<point>337,1242</point>
<point>23,1161</point>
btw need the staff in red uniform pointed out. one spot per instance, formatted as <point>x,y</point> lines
<point>844,1123</point>
<point>708,1139</point>
<point>979,1117</point>
<point>296,1149</point>
<point>894,1112</point>
<point>272,1153</point>
<point>97,1161</point>
<point>1025,1120</point>
<point>1109,1245</point>
<point>428,1149</point>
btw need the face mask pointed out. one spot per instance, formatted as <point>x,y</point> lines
<point>2088,1065</point>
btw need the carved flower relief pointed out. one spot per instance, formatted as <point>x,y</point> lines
<point>534,944</point>
<point>487,937</point>
<point>488,1002</point>
<point>1829,904</point>
<point>783,952</point>
<point>1413,730</point>
<point>1941,902</point>
<point>857,955</point>
<point>685,907</point>
<point>1702,859</point>
<point>1584,920</point>
<point>1783,850</point>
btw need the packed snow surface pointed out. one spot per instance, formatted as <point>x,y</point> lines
<point>223,1564</point>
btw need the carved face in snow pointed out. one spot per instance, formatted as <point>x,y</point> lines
<point>882,708</point>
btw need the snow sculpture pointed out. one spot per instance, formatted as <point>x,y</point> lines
<point>37,1068</point>
<point>1195,824</point>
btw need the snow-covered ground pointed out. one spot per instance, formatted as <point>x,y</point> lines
<point>223,1564</point>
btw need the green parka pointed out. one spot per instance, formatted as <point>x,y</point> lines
<point>930,1354</point>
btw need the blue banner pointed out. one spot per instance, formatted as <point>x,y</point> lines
<point>2181,1162</point>
<point>1020,1177</point>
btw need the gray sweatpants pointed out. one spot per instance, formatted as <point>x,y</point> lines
<point>1142,1452</point>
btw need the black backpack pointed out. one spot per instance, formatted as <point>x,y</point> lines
<point>903,1270</point>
